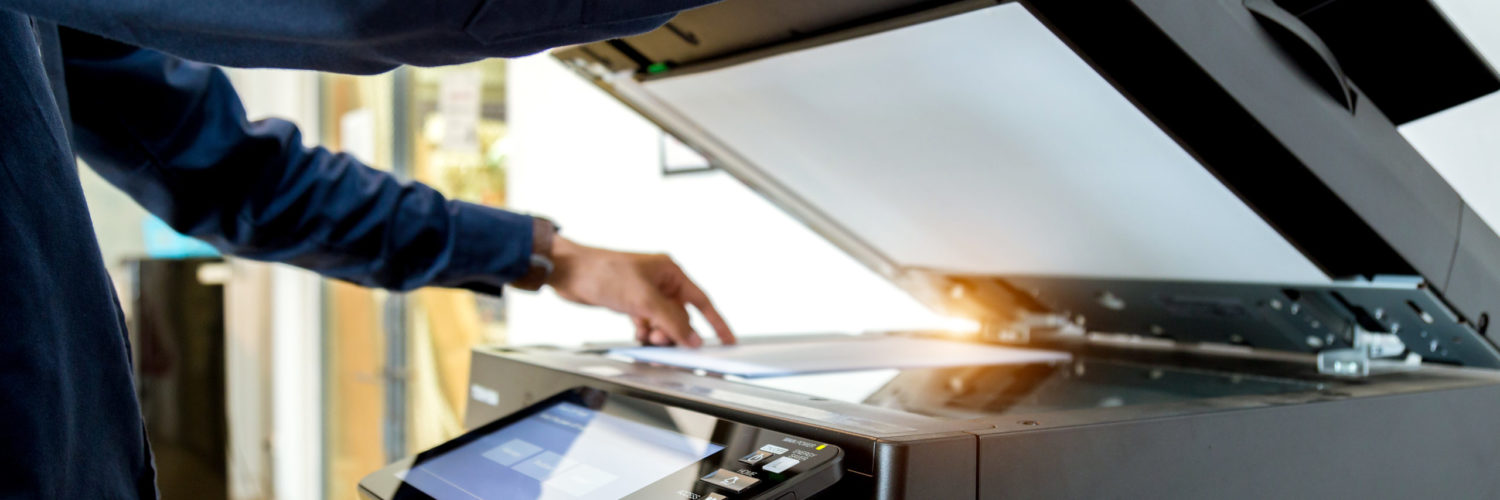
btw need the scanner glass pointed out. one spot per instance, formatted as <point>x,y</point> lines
<point>981,391</point>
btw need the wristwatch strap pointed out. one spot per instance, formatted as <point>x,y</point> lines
<point>540,270</point>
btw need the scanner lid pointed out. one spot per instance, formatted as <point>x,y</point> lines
<point>964,148</point>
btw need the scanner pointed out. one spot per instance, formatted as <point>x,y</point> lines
<point>1261,287</point>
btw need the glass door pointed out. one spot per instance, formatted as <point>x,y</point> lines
<point>397,364</point>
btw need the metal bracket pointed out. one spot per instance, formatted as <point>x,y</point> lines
<point>1372,353</point>
<point>1019,331</point>
<point>1302,318</point>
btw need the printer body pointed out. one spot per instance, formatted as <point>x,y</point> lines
<point>1265,289</point>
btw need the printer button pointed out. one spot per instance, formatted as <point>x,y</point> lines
<point>727,479</point>
<point>780,465</point>
<point>773,449</point>
<point>756,457</point>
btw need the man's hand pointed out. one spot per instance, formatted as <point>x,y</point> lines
<point>649,288</point>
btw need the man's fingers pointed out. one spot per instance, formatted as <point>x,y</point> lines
<point>658,337</point>
<point>672,319</point>
<point>695,296</point>
<point>642,329</point>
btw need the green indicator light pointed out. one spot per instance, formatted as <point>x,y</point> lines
<point>656,68</point>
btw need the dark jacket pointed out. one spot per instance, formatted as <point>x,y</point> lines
<point>173,135</point>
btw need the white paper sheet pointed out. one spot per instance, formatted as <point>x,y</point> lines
<point>839,355</point>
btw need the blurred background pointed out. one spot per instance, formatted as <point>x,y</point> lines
<point>264,381</point>
<point>267,381</point>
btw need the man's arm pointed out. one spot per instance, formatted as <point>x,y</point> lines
<point>173,135</point>
<point>353,36</point>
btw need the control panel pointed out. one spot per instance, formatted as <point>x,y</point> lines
<point>587,444</point>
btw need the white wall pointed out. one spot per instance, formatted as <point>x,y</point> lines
<point>1463,143</point>
<point>592,165</point>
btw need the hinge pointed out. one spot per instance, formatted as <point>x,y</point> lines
<point>1020,330</point>
<point>1372,353</point>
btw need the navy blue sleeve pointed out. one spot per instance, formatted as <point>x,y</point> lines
<point>353,36</point>
<point>173,134</point>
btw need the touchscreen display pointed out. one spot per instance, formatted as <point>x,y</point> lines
<point>565,451</point>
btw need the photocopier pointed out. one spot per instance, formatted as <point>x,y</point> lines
<point>1262,288</point>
